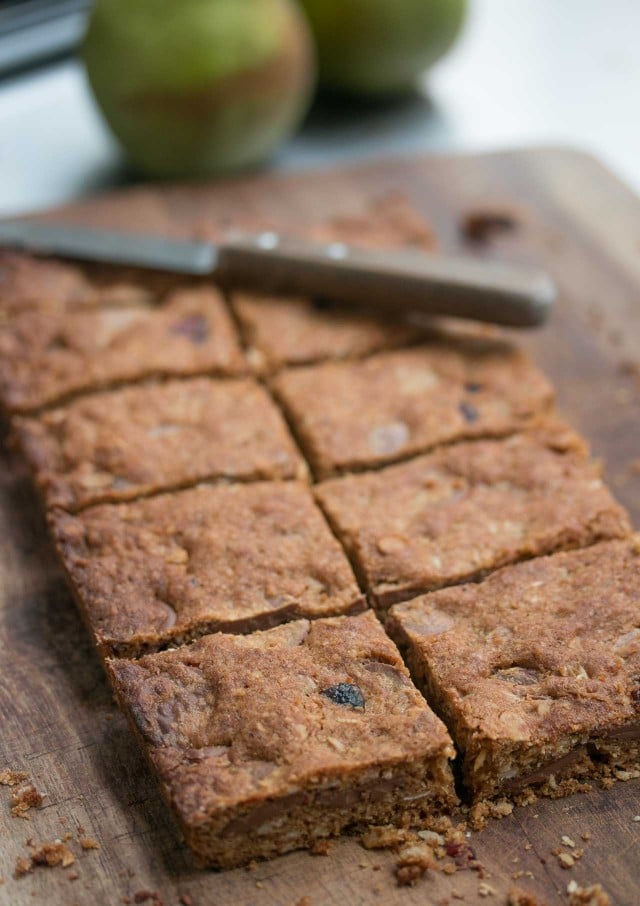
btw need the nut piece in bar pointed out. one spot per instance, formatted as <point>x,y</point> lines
<point>462,511</point>
<point>536,670</point>
<point>47,355</point>
<point>133,441</point>
<point>257,752</point>
<point>357,415</point>
<point>229,557</point>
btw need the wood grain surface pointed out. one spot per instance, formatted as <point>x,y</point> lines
<point>57,719</point>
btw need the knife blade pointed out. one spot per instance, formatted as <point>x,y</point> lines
<point>376,280</point>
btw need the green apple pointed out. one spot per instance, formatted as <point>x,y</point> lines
<point>197,87</point>
<point>378,47</point>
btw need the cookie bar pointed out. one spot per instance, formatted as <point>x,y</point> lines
<point>142,439</point>
<point>536,670</point>
<point>49,354</point>
<point>464,510</point>
<point>357,415</point>
<point>239,557</point>
<point>282,331</point>
<point>297,331</point>
<point>273,741</point>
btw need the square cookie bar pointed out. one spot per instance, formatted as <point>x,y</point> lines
<point>239,557</point>
<point>142,439</point>
<point>536,670</point>
<point>272,741</point>
<point>49,354</point>
<point>282,331</point>
<point>298,331</point>
<point>357,415</point>
<point>464,510</point>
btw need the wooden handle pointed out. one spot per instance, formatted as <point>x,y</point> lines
<point>389,280</point>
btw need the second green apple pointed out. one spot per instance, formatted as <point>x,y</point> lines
<point>378,47</point>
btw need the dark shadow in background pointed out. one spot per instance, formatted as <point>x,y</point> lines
<point>346,128</point>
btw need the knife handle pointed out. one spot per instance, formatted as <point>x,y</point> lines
<point>390,281</point>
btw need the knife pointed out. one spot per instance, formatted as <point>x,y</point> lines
<point>391,281</point>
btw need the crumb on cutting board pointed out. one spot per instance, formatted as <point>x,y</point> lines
<point>593,895</point>
<point>12,778</point>
<point>25,798</point>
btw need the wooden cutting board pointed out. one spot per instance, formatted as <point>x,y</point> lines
<point>57,720</point>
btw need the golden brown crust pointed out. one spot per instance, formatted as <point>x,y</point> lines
<point>245,731</point>
<point>49,354</point>
<point>138,440</point>
<point>355,415</point>
<point>536,669</point>
<point>237,557</point>
<point>467,509</point>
